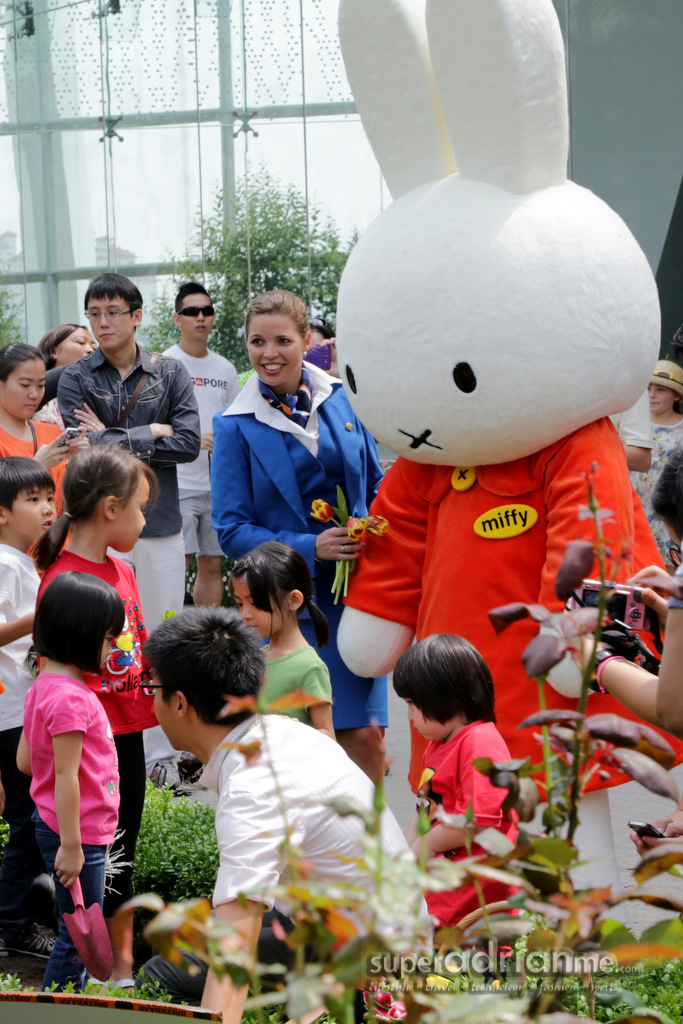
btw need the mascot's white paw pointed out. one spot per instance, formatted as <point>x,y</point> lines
<point>565,677</point>
<point>371,646</point>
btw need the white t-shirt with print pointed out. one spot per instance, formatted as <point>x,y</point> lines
<point>216,385</point>
<point>19,584</point>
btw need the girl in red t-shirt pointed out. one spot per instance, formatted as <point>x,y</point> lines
<point>22,384</point>
<point>449,692</point>
<point>106,490</point>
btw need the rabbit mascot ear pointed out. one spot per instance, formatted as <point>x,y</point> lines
<point>509,305</point>
<point>488,322</point>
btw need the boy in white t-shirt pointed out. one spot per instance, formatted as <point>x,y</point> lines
<point>27,509</point>
<point>215,386</point>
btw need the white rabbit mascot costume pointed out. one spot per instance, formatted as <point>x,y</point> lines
<point>488,322</point>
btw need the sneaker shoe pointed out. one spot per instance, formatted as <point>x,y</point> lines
<point>165,773</point>
<point>39,906</point>
<point>27,941</point>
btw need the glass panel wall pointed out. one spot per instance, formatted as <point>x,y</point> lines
<point>123,123</point>
<point>126,124</point>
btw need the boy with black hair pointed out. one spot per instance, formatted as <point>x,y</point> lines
<point>201,659</point>
<point>27,509</point>
<point>125,395</point>
<point>448,688</point>
<point>216,385</point>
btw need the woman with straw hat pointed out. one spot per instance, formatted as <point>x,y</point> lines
<point>666,412</point>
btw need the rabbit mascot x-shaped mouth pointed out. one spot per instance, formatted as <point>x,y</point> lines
<point>488,321</point>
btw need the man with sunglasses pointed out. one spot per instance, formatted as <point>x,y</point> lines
<point>125,395</point>
<point>216,385</point>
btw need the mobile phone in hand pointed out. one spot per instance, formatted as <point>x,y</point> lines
<point>319,355</point>
<point>644,828</point>
<point>71,433</point>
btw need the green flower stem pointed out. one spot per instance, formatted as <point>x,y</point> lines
<point>337,585</point>
<point>349,1016</point>
<point>547,753</point>
<point>578,782</point>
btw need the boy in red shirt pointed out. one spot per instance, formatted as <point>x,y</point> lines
<point>448,688</point>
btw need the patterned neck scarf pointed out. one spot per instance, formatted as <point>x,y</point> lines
<point>295,407</point>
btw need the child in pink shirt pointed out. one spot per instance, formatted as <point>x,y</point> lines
<point>68,748</point>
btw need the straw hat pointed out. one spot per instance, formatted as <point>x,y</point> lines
<point>668,375</point>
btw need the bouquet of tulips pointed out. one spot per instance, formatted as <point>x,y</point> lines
<point>357,527</point>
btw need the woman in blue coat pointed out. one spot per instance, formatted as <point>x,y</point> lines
<point>289,438</point>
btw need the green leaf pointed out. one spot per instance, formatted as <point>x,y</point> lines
<point>343,510</point>
<point>668,932</point>
<point>552,852</point>
<point>614,933</point>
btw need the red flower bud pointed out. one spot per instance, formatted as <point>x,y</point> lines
<point>377,525</point>
<point>322,511</point>
<point>398,1011</point>
<point>356,529</point>
<point>382,998</point>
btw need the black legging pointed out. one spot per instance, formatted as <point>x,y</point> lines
<point>131,755</point>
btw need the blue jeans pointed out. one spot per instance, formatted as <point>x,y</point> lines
<point>65,964</point>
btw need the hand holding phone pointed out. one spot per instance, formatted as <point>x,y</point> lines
<point>644,828</point>
<point>71,433</point>
<point>319,355</point>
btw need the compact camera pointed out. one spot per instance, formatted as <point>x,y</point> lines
<point>625,604</point>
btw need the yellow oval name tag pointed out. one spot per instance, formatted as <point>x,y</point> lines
<point>505,521</point>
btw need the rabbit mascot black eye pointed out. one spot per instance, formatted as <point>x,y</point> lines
<point>488,323</point>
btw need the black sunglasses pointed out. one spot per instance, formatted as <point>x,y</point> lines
<point>196,310</point>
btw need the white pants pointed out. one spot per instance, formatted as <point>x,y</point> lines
<point>159,567</point>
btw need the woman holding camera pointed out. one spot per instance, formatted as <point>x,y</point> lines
<point>290,438</point>
<point>657,699</point>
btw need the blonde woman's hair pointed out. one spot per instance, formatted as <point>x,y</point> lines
<point>279,303</point>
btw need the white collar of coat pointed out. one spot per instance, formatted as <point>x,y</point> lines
<point>250,400</point>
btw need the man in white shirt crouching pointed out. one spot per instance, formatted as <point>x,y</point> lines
<point>200,659</point>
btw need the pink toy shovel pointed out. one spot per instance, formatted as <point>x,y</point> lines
<point>89,935</point>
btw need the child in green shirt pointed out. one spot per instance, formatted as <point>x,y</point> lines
<point>272,586</point>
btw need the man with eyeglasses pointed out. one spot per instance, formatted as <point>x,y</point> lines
<point>125,395</point>
<point>216,385</point>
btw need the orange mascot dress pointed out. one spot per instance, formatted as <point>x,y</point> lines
<point>464,541</point>
<point>489,320</point>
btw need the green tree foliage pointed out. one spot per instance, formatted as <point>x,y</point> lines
<point>265,233</point>
<point>9,324</point>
